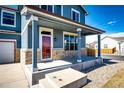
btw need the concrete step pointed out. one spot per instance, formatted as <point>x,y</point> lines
<point>43,83</point>
<point>67,78</point>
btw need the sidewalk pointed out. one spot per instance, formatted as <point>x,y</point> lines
<point>12,76</point>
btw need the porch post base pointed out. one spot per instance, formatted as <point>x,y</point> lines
<point>34,69</point>
<point>100,61</point>
<point>79,60</point>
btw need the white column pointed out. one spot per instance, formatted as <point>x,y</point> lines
<point>79,45</point>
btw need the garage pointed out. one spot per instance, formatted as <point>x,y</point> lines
<point>7,51</point>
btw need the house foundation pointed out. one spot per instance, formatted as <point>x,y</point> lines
<point>62,54</point>
<point>17,55</point>
<point>26,56</point>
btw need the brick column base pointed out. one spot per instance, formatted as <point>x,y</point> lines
<point>26,56</point>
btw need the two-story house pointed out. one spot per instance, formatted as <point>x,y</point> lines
<point>10,34</point>
<point>52,32</point>
<point>32,34</point>
<point>56,26</point>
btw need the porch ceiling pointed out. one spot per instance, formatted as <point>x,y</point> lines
<point>51,20</point>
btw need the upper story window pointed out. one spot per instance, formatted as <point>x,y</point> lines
<point>75,15</point>
<point>8,18</point>
<point>49,8</point>
<point>70,41</point>
<point>105,45</point>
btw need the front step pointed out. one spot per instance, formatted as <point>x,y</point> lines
<point>67,78</point>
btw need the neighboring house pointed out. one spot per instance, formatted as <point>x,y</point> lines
<point>10,34</point>
<point>109,42</point>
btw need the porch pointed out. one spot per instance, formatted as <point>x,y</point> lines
<point>44,47</point>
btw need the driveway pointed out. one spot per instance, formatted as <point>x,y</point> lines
<point>12,76</point>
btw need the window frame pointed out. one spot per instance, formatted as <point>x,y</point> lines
<point>76,11</point>
<point>70,34</point>
<point>105,45</point>
<point>47,8</point>
<point>2,24</point>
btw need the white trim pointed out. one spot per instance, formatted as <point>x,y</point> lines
<point>53,8</point>
<point>14,33</point>
<point>61,10</point>
<point>24,29</point>
<point>72,9</point>
<point>68,33</point>
<point>7,40</point>
<point>79,29</point>
<point>40,39</point>
<point>34,18</point>
<point>79,61</point>
<point>3,10</point>
<point>57,48</point>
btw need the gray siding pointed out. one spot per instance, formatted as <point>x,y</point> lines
<point>30,38</point>
<point>57,9</point>
<point>83,41</point>
<point>59,39</point>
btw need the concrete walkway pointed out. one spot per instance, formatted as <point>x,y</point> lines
<point>12,76</point>
<point>99,76</point>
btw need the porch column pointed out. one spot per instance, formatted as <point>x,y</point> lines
<point>79,45</point>
<point>99,46</point>
<point>34,40</point>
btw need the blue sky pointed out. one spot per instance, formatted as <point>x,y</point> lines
<point>109,18</point>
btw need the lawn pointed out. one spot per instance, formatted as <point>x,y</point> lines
<point>117,81</point>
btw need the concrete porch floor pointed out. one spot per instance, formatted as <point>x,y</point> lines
<point>12,76</point>
<point>52,64</point>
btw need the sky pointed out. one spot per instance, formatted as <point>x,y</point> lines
<point>109,18</point>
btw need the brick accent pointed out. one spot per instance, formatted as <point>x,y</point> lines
<point>26,56</point>
<point>57,54</point>
<point>17,55</point>
<point>61,53</point>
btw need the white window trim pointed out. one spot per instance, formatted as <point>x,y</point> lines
<point>2,18</point>
<point>40,39</point>
<point>61,10</point>
<point>68,33</point>
<point>72,9</point>
<point>47,7</point>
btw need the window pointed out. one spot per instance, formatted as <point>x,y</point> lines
<point>70,42</point>
<point>75,15</point>
<point>8,18</point>
<point>105,45</point>
<point>48,8</point>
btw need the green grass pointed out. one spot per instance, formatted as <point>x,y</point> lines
<point>117,81</point>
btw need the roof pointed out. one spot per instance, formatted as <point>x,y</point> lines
<point>118,38</point>
<point>86,12</point>
<point>99,31</point>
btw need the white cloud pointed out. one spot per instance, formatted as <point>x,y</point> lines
<point>119,34</point>
<point>111,22</point>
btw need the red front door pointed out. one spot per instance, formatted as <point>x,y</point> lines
<point>46,47</point>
